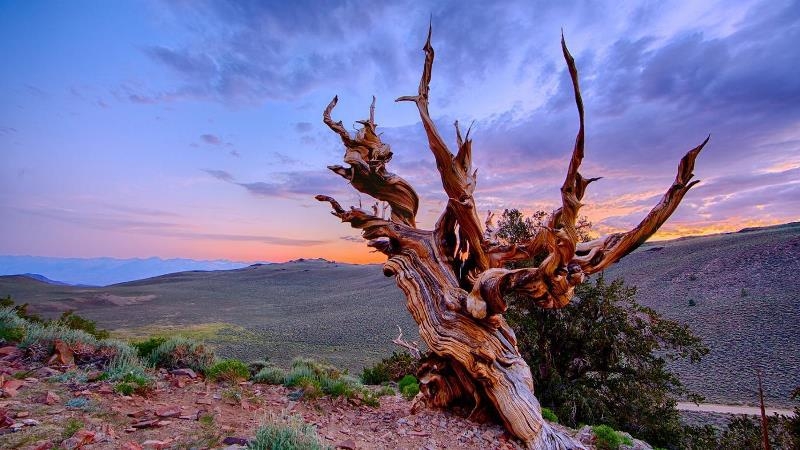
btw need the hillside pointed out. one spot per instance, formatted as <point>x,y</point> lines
<point>747,308</point>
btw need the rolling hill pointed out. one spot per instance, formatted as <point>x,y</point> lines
<point>746,308</point>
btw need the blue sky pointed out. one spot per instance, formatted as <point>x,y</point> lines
<point>193,129</point>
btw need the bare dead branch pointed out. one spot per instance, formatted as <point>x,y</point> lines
<point>412,347</point>
<point>458,178</point>
<point>367,157</point>
<point>598,254</point>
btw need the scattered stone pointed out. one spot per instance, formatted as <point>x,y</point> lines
<point>105,389</point>
<point>347,445</point>
<point>62,355</point>
<point>94,375</point>
<point>8,350</point>
<point>130,430</point>
<point>152,443</point>
<point>184,372</point>
<point>10,387</point>
<point>21,414</point>
<point>419,433</point>
<point>137,414</point>
<point>230,440</point>
<point>42,445</point>
<point>46,372</point>
<point>203,401</point>
<point>163,423</point>
<point>145,423</point>
<point>79,439</point>
<point>169,411</point>
<point>31,422</point>
<point>130,445</point>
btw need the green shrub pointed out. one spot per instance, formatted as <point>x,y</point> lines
<point>145,348</point>
<point>78,402</point>
<point>377,374</point>
<point>606,438</point>
<point>75,322</point>
<point>270,375</point>
<point>231,370</point>
<point>409,387</point>
<point>179,352</point>
<point>257,365</point>
<point>386,390</point>
<point>71,426</point>
<point>286,433</point>
<point>12,327</point>
<point>392,368</point>
<point>549,415</point>
<point>298,375</point>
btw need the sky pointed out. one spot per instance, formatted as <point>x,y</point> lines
<point>193,129</point>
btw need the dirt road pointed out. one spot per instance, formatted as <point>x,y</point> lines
<point>732,409</point>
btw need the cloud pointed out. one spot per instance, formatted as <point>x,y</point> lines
<point>303,127</point>
<point>219,174</point>
<point>135,220</point>
<point>211,139</point>
<point>296,184</point>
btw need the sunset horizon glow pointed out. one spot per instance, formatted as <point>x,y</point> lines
<point>194,129</point>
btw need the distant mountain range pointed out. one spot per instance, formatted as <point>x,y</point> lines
<point>103,271</point>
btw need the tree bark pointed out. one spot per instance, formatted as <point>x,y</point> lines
<point>454,279</point>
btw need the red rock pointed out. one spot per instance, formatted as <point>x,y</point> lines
<point>163,423</point>
<point>10,387</point>
<point>152,443</point>
<point>347,445</point>
<point>50,398</point>
<point>145,423</point>
<point>62,354</point>
<point>105,389</point>
<point>22,414</point>
<point>203,401</point>
<point>130,445</point>
<point>8,350</point>
<point>42,445</point>
<point>137,414</point>
<point>78,440</point>
<point>169,411</point>
<point>94,375</point>
<point>184,372</point>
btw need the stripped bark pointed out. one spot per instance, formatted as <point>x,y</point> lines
<point>453,276</point>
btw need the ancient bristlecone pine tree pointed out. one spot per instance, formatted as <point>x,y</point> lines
<point>454,276</point>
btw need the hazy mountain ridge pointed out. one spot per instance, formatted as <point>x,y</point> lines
<point>104,271</point>
<point>747,307</point>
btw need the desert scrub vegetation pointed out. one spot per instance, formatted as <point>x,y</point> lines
<point>180,352</point>
<point>230,370</point>
<point>392,368</point>
<point>607,438</point>
<point>38,339</point>
<point>549,415</point>
<point>313,380</point>
<point>409,387</point>
<point>286,433</point>
<point>270,375</point>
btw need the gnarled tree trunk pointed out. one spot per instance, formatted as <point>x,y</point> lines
<point>454,278</point>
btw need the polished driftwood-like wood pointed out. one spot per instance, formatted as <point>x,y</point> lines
<point>454,276</point>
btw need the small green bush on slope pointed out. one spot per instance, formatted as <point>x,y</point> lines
<point>179,352</point>
<point>286,433</point>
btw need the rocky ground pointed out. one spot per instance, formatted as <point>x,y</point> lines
<point>45,407</point>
